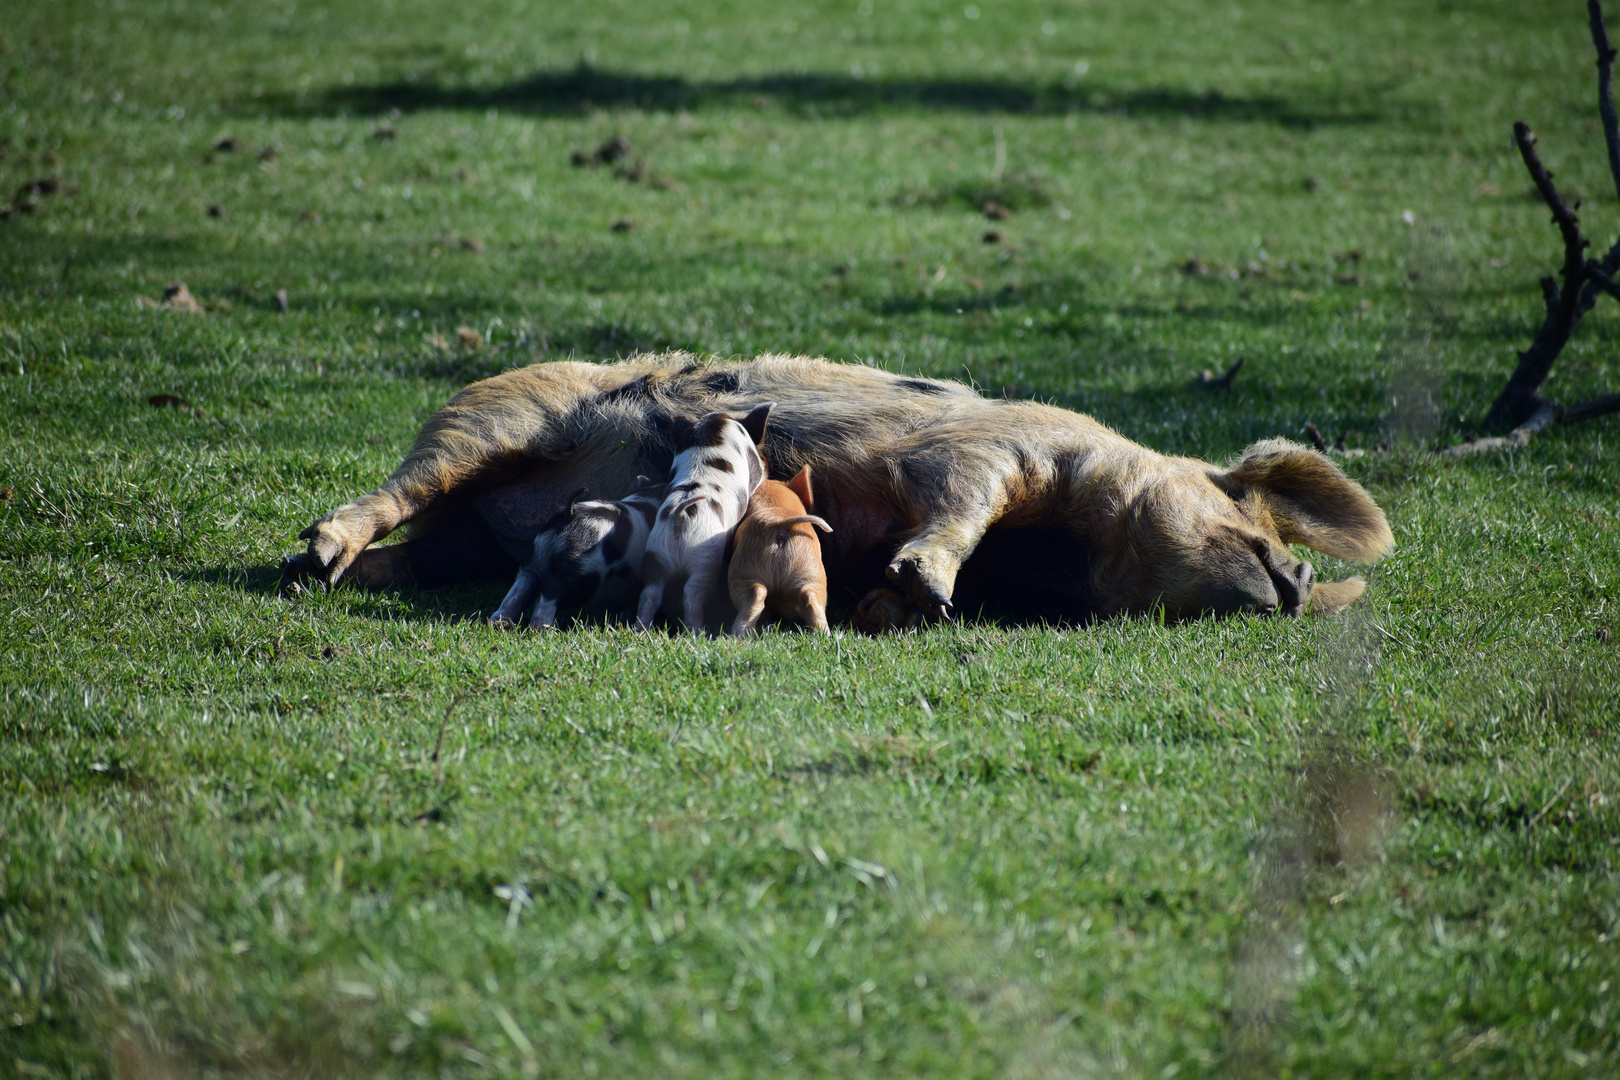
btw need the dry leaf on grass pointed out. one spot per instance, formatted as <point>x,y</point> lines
<point>613,150</point>
<point>176,297</point>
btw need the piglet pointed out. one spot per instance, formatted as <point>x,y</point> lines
<point>776,561</point>
<point>587,556</point>
<point>717,467</point>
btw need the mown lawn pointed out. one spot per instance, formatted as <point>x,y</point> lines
<point>1380,845</point>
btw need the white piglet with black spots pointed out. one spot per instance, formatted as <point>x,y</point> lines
<point>587,557</point>
<point>717,467</point>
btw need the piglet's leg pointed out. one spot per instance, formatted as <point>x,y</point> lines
<point>544,615</point>
<point>652,598</point>
<point>707,563</point>
<point>697,593</point>
<point>517,598</point>
<point>813,610</point>
<point>750,601</point>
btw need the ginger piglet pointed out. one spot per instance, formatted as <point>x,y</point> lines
<point>776,560</point>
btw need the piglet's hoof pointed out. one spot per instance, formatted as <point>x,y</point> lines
<point>884,611</point>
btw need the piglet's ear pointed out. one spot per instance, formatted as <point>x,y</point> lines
<point>800,486</point>
<point>754,422</point>
<point>681,429</point>
<point>1310,501</point>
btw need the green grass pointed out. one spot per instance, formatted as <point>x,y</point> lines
<point>224,845</point>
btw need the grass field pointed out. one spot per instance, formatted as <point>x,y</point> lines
<point>1375,846</point>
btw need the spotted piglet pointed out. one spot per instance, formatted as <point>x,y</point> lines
<point>717,467</point>
<point>587,556</point>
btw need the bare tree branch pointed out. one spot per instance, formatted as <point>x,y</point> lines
<point>1544,417</point>
<point>1603,281</point>
<point>1610,263</point>
<point>1522,395</point>
<point>1521,404</point>
<point>1587,410</point>
<point>1605,66</point>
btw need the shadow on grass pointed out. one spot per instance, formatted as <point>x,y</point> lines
<point>468,602</point>
<point>573,92</point>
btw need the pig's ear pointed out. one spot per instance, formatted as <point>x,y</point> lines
<point>754,422</point>
<point>1310,501</point>
<point>800,486</point>
<point>617,542</point>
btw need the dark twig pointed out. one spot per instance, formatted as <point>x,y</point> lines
<point>1208,378</point>
<point>438,746</point>
<point>1587,410</point>
<point>1337,448</point>
<point>444,722</point>
<point>1604,282</point>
